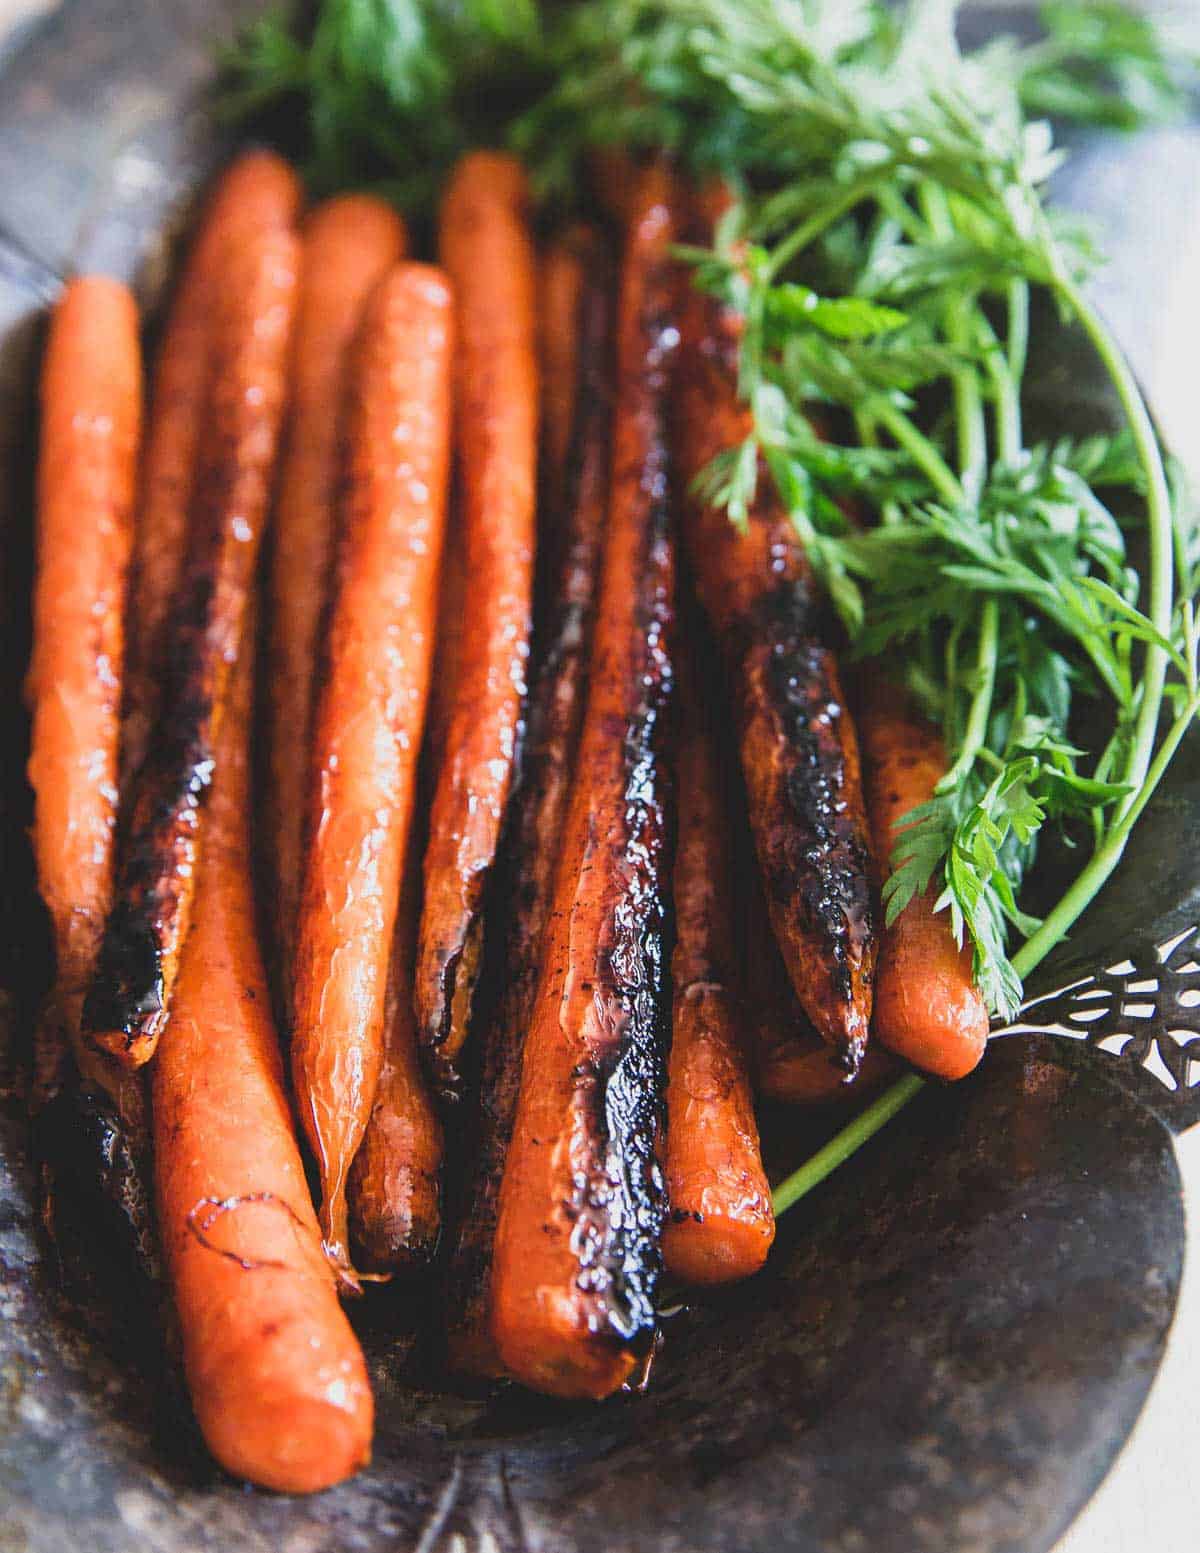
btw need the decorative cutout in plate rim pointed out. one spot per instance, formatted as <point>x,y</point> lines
<point>1144,1011</point>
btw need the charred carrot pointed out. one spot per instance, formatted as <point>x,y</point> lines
<point>531,844</point>
<point>581,1205</point>
<point>798,749</point>
<point>721,1224</point>
<point>486,248</point>
<point>395,1185</point>
<point>276,1375</point>
<point>791,1064</point>
<point>130,994</point>
<point>349,244</point>
<point>91,396</point>
<point>927,1006</point>
<point>258,193</point>
<point>369,719</point>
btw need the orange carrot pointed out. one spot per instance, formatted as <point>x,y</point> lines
<point>276,1375</point>
<point>798,749</point>
<point>395,1188</point>
<point>556,704</point>
<point>349,244</point>
<point>487,250</point>
<point>257,193</point>
<point>369,720</point>
<point>721,1223</point>
<point>91,419</point>
<point>582,1191</point>
<point>130,994</point>
<point>927,1006</point>
<point>561,277</point>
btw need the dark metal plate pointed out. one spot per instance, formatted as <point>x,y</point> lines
<point>954,1336</point>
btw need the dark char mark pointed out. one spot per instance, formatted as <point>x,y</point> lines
<point>620,1200</point>
<point>820,870</point>
<point>530,850</point>
<point>160,851</point>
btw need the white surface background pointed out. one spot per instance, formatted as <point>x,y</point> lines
<point>1148,1502</point>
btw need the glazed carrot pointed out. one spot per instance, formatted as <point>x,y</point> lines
<point>91,400</point>
<point>581,1203</point>
<point>257,193</point>
<point>927,1006</point>
<point>721,1223</point>
<point>798,749</point>
<point>395,1185</point>
<point>561,276</point>
<point>451,625</point>
<point>93,1139</point>
<point>130,994</point>
<point>349,244</point>
<point>369,719</point>
<point>486,248</point>
<point>531,845</point>
<point>791,1064</point>
<point>276,1375</point>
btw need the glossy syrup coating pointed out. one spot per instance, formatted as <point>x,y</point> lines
<point>257,193</point>
<point>349,245</point>
<point>581,1207</point>
<point>130,995</point>
<point>369,720</point>
<point>578,306</point>
<point>91,402</point>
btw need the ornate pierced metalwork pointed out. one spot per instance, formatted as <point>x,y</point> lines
<point>1144,1012</point>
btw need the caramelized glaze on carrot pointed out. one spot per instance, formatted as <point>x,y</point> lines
<point>581,1206</point>
<point>130,994</point>
<point>369,720</point>
<point>798,749</point>
<point>257,193</point>
<point>584,311</point>
<point>349,245</point>
<point>91,401</point>
<point>486,247</point>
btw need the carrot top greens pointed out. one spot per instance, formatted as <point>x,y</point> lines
<point>891,229</point>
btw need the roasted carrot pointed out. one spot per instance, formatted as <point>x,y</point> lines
<point>257,193</point>
<point>531,844</point>
<point>487,250</point>
<point>369,719</point>
<point>793,1064</point>
<point>92,1127</point>
<point>91,397</point>
<point>130,994</point>
<point>277,1378</point>
<point>349,244</point>
<point>395,1184</point>
<point>798,749</point>
<point>561,278</point>
<point>721,1223</point>
<point>927,1006</point>
<point>581,1205</point>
